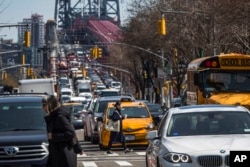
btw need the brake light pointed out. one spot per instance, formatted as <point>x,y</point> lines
<point>211,63</point>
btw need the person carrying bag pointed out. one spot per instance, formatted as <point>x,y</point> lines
<point>61,134</point>
<point>116,132</point>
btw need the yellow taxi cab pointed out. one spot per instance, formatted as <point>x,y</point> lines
<point>135,127</point>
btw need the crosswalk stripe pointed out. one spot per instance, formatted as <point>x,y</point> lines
<point>123,163</point>
<point>89,164</point>
<point>141,153</point>
<point>113,154</point>
<point>83,155</point>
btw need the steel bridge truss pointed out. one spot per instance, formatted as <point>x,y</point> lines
<point>68,11</point>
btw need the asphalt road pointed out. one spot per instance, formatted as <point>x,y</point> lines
<point>94,157</point>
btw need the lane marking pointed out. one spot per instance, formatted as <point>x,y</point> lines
<point>123,163</point>
<point>83,155</point>
<point>114,154</point>
<point>141,153</point>
<point>89,164</point>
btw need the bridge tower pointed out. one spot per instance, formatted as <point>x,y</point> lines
<point>67,12</point>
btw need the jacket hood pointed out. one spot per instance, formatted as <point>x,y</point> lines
<point>60,111</point>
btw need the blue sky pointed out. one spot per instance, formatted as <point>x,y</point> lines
<point>13,11</point>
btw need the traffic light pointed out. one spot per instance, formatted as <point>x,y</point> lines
<point>27,39</point>
<point>165,88</point>
<point>145,74</point>
<point>23,59</point>
<point>84,74</point>
<point>175,55</point>
<point>162,26</point>
<point>31,72</point>
<point>94,52</point>
<point>5,75</point>
<point>99,52</point>
<point>28,71</point>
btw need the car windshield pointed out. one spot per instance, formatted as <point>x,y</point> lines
<point>155,108</point>
<point>209,123</point>
<point>22,116</point>
<point>226,81</point>
<point>132,112</point>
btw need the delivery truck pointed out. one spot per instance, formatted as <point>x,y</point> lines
<point>41,85</point>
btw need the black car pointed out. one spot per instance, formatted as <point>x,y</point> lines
<point>23,135</point>
<point>156,112</point>
<point>75,109</point>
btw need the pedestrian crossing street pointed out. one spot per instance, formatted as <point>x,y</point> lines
<point>94,157</point>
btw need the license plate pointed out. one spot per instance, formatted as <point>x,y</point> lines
<point>130,137</point>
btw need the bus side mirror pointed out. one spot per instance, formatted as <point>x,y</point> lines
<point>196,79</point>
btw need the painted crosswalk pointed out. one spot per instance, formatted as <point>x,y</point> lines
<point>93,156</point>
<point>113,164</point>
<point>117,159</point>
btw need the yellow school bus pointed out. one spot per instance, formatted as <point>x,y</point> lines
<point>221,79</point>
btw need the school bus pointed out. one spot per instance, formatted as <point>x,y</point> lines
<point>221,79</point>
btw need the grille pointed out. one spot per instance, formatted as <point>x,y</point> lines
<point>210,161</point>
<point>25,153</point>
<point>227,160</point>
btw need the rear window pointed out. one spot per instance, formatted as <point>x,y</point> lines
<point>132,112</point>
<point>22,116</point>
<point>115,93</point>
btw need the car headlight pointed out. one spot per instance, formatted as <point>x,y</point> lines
<point>177,158</point>
<point>151,126</point>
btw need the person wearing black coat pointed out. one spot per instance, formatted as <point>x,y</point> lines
<point>117,136</point>
<point>60,134</point>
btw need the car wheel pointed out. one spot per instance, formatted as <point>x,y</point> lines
<point>158,164</point>
<point>93,140</point>
<point>100,146</point>
<point>86,137</point>
<point>146,161</point>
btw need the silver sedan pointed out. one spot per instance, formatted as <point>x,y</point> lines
<point>199,136</point>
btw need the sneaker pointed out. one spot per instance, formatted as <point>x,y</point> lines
<point>109,152</point>
<point>127,150</point>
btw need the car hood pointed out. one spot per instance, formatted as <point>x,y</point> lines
<point>31,137</point>
<point>136,123</point>
<point>187,144</point>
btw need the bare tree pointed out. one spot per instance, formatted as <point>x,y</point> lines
<point>195,28</point>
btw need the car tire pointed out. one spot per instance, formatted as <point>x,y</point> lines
<point>86,137</point>
<point>146,161</point>
<point>93,140</point>
<point>101,146</point>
